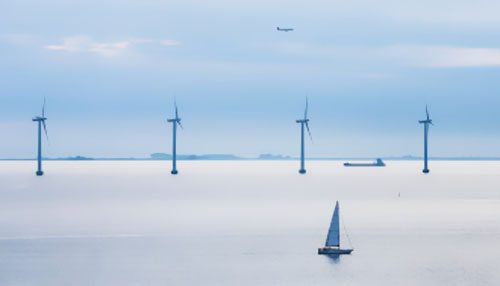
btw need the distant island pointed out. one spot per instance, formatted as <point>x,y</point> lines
<point>164,156</point>
<point>273,157</point>
<point>76,158</point>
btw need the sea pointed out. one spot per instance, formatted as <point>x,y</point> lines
<point>227,223</point>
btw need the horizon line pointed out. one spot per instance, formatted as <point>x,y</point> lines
<point>231,157</point>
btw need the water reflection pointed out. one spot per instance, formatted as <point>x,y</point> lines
<point>333,258</point>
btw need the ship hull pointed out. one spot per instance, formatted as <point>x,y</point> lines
<point>377,163</point>
<point>362,165</point>
<point>333,251</point>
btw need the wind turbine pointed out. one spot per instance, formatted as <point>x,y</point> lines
<point>303,123</point>
<point>174,122</point>
<point>426,123</point>
<point>41,121</point>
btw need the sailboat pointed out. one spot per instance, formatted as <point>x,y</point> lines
<point>332,245</point>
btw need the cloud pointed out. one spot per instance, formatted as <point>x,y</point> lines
<point>71,44</point>
<point>108,49</point>
<point>84,44</point>
<point>453,57</point>
<point>430,56</point>
<point>464,57</point>
<point>169,43</point>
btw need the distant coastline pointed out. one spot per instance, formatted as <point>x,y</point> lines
<point>262,157</point>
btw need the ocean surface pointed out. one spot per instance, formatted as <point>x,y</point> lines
<point>248,223</point>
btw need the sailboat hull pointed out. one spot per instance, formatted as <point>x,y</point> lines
<point>334,251</point>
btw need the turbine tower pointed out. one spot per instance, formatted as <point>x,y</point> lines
<point>174,122</point>
<point>41,121</point>
<point>303,123</point>
<point>426,123</point>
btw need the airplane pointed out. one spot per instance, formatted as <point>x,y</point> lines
<point>284,29</point>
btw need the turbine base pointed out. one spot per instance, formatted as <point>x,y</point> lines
<point>425,171</point>
<point>302,171</point>
<point>39,173</point>
<point>174,172</point>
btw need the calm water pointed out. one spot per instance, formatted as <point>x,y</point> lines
<point>248,223</point>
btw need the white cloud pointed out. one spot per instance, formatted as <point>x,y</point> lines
<point>465,57</point>
<point>445,56</point>
<point>108,49</point>
<point>72,44</point>
<point>433,56</point>
<point>169,43</point>
<point>84,44</point>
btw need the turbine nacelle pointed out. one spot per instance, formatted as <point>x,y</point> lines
<point>41,119</point>
<point>305,120</point>
<point>428,119</point>
<point>176,119</point>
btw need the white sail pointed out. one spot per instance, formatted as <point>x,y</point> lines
<point>333,238</point>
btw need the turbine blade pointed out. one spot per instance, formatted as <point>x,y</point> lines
<point>45,130</point>
<point>176,111</point>
<point>180,125</point>
<point>43,108</point>
<point>309,131</point>
<point>427,112</point>
<point>307,107</point>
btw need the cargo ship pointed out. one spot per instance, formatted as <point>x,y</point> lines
<point>377,163</point>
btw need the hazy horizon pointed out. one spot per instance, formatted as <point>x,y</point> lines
<point>263,157</point>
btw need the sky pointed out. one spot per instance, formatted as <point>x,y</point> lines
<point>110,71</point>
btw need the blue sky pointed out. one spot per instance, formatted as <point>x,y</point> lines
<point>110,71</point>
